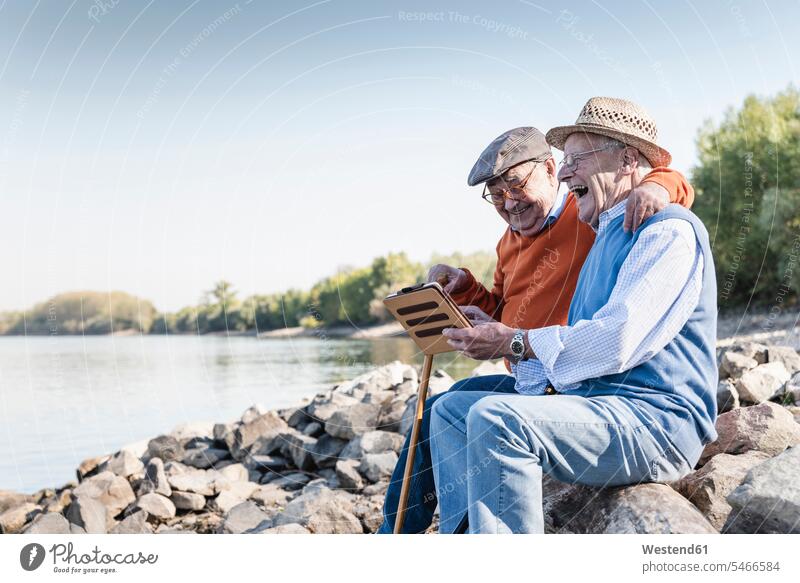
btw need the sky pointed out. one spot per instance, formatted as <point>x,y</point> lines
<point>157,147</point>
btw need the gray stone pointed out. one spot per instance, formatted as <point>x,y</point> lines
<point>708,487</point>
<point>369,510</point>
<point>735,364</point>
<point>270,495</point>
<point>253,412</point>
<point>766,427</point>
<point>322,408</point>
<point>347,473</point>
<point>791,392</point>
<point>321,511</point>
<point>768,501</point>
<point>193,430</point>
<point>440,382</point>
<point>134,523</point>
<point>753,350</point>
<point>292,528</point>
<point>204,458</point>
<point>298,448</point>
<point>378,466</point>
<point>114,492</point>
<point>263,463</point>
<point>9,499</point>
<point>235,493</point>
<point>197,481</point>
<point>222,430</point>
<point>16,517</point>
<point>391,416</point>
<point>763,382</point>
<point>326,451</point>
<point>89,467</point>
<point>373,442</point>
<point>313,429</point>
<point>245,517</point>
<point>88,513</point>
<point>354,420</point>
<point>188,500</point>
<point>157,506</point>
<point>649,508</point>
<point>786,355</point>
<point>260,436</point>
<point>49,523</point>
<point>155,479</point>
<point>166,447</point>
<point>727,396</point>
<point>293,481</point>
<point>123,463</point>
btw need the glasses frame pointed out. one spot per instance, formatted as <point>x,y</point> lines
<point>507,192</point>
<point>575,159</point>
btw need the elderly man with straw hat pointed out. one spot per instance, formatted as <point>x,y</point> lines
<point>625,392</point>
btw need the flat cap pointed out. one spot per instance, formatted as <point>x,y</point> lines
<point>509,149</point>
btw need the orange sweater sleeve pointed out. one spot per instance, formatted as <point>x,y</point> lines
<point>680,191</point>
<point>475,293</point>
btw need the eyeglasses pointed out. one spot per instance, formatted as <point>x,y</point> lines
<point>571,161</point>
<point>499,198</point>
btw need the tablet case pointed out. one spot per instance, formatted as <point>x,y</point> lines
<point>425,310</point>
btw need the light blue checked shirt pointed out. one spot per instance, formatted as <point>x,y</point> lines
<point>657,289</point>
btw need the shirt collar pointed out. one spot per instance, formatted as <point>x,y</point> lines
<point>555,210</point>
<point>607,216</point>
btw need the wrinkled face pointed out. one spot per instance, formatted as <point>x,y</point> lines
<point>592,178</point>
<point>530,205</point>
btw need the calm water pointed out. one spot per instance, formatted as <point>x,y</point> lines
<point>64,399</point>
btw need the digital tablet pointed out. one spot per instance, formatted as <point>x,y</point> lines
<point>425,310</point>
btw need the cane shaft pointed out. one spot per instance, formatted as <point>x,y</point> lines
<point>412,446</point>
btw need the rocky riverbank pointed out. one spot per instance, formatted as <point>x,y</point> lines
<point>323,467</point>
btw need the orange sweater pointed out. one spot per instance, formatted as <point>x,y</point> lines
<point>536,276</point>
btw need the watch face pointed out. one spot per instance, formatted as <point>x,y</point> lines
<point>517,347</point>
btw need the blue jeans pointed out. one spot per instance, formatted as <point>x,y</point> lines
<point>422,491</point>
<point>489,453</point>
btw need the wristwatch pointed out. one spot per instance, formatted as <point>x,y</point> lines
<point>517,346</point>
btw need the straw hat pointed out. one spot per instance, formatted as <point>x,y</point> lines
<point>619,119</point>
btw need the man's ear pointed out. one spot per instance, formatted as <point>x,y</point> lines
<point>552,171</point>
<point>629,161</point>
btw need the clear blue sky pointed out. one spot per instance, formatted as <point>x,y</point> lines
<point>156,147</point>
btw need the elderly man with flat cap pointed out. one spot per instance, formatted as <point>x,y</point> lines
<point>538,260</point>
<point>625,391</point>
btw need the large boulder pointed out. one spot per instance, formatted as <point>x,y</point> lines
<point>354,420</point>
<point>735,364</point>
<point>197,481</point>
<point>114,492</point>
<point>372,442</point>
<point>378,466</point>
<point>321,511</point>
<point>157,506</point>
<point>649,508</point>
<point>763,382</point>
<point>323,406</point>
<point>135,523</point>
<point>123,463</point>
<point>708,487</point>
<point>266,429</point>
<point>786,355</point>
<point>49,523</point>
<point>326,451</point>
<point>165,447</point>
<point>245,517</point>
<point>348,475</point>
<point>766,427</point>
<point>187,500</point>
<point>155,479</point>
<point>768,501</point>
<point>727,396</point>
<point>89,514</point>
<point>299,448</point>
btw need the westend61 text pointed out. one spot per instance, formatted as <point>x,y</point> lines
<point>675,550</point>
<point>65,555</point>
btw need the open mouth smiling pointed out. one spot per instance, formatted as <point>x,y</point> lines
<point>579,190</point>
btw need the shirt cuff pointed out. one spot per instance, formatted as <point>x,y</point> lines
<point>546,345</point>
<point>530,377</point>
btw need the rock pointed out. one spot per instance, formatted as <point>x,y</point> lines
<point>768,501</point>
<point>292,528</point>
<point>157,506</point>
<point>231,473</point>
<point>322,408</point>
<point>165,447</point>
<point>727,396</point>
<point>369,510</point>
<point>378,489</point>
<point>197,481</point>
<point>112,491</point>
<point>347,473</point>
<point>321,511</point>
<point>155,479</point>
<point>708,487</point>
<point>88,513</point>
<point>298,448</point>
<point>791,392</point>
<point>49,523</point>
<point>313,429</point>
<point>253,412</point>
<point>221,431</point>
<point>204,458</point>
<point>354,420</point>
<point>786,355</point>
<point>123,463</point>
<point>763,382</point>
<point>245,517</point>
<point>235,493</point>
<point>766,427</point>
<point>648,508</point>
<point>440,382</point>
<point>188,500</point>
<point>89,467</point>
<point>752,350</point>
<point>326,450</point>
<point>15,518</point>
<point>270,495</point>
<point>488,367</point>
<point>377,466</point>
<point>263,434</point>
<point>134,523</point>
<point>193,429</point>
<point>373,442</point>
<point>262,463</point>
<point>735,364</point>
<point>795,411</point>
<point>293,481</point>
<point>391,416</point>
<point>9,499</point>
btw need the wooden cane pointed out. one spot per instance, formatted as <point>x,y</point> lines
<point>412,446</point>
